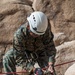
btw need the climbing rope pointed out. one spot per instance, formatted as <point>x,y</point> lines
<point>43,68</point>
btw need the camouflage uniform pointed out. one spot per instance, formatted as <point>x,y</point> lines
<point>24,43</point>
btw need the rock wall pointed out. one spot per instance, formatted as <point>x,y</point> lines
<point>65,53</point>
<point>70,70</point>
<point>12,14</point>
<point>61,14</point>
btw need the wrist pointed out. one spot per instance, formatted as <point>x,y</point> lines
<point>50,63</point>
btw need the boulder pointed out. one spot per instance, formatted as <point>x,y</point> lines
<point>69,10</point>
<point>12,15</point>
<point>70,70</point>
<point>49,7</point>
<point>60,13</point>
<point>25,2</point>
<point>65,53</point>
<point>60,38</point>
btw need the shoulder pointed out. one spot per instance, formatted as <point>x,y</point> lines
<point>48,32</point>
<point>21,30</point>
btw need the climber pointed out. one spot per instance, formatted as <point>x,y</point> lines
<point>32,43</point>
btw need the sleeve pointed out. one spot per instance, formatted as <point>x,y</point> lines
<point>19,40</point>
<point>49,45</point>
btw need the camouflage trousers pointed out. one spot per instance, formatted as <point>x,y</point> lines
<point>12,58</point>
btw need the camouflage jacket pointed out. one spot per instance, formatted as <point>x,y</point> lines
<point>24,41</point>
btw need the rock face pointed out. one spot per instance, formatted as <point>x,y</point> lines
<point>12,14</point>
<point>61,14</point>
<point>69,10</point>
<point>65,53</point>
<point>11,18</point>
<point>70,70</point>
<point>25,2</point>
<point>49,7</point>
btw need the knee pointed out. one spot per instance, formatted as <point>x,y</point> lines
<point>7,57</point>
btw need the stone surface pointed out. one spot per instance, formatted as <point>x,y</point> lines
<point>61,14</point>
<point>12,15</point>
<point>59,38</point>
<point>25,2</point>
<point>69,10</point>
<point>70,70</point>
<point>49,7</point>
<point>65,53</point>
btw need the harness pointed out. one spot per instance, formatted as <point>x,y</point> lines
<point>31,55</point>
<point>30,59</point>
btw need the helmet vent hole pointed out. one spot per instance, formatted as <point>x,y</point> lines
<point>34,18</point>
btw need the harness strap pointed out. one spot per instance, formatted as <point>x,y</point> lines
<point>34,55</point>
<point>31,55</point>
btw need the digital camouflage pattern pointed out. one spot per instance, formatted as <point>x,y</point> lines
<point>24,43</point>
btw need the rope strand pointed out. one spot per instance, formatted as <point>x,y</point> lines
<point>43,68</point>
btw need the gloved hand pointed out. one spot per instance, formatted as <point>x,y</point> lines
<point>50,67</point>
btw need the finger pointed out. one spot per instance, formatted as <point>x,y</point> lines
<point>50,69</point>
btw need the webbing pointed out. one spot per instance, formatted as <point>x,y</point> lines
<point>43,68</point>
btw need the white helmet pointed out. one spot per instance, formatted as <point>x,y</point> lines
<point>38,22</point>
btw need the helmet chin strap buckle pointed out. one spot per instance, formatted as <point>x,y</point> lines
<point>35,28</point>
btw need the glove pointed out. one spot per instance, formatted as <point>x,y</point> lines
<point>50,67</point>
